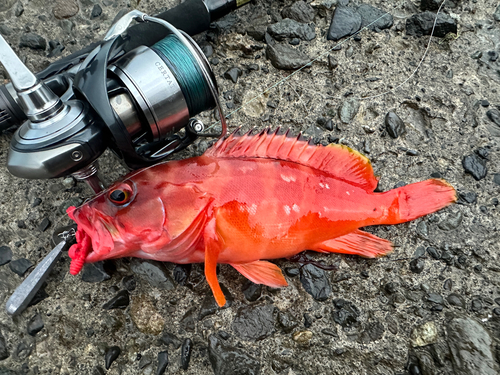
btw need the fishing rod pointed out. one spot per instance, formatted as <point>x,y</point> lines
<point>137,92</point>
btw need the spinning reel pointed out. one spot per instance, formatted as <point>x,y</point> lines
<point>140,103</point>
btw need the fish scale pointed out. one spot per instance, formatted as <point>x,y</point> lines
<point>247,199</point>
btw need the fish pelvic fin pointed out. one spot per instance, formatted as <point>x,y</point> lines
<point>358,243</point>
<point>213,247</point>
<point>339,161</point>
<point>262,272</point>
<point>415,200</point>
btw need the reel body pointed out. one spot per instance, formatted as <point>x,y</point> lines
<point>136,103</point>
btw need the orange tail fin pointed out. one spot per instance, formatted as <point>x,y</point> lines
<point>415,200</point>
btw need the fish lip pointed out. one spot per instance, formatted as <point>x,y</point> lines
<point>99,229</point>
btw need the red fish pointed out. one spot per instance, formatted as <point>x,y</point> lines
<point>247,199</point>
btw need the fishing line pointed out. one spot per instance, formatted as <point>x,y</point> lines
<point>326,53</point>
<point>187,73</point>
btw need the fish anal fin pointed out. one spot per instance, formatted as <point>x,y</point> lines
<point>358,243</point>
<point>339,161</point>
<point>213,247</point>
<point>262,272</point>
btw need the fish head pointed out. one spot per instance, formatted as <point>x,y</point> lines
<point>116,223</point>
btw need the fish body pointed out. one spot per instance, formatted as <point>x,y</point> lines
<point>247,199</point>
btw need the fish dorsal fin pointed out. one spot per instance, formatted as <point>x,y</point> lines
<point>340,161</point>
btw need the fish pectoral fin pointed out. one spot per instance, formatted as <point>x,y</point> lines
<point>213,247</point>
<point>358,243</point>
<point>262,272</point>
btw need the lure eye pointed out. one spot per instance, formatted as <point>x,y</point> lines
<point>121,195</point>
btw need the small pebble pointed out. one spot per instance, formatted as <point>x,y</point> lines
<point>42,227</point>
<point>20,266</point>
<point>111,354</point>
<point>187,347</point>
<point>433,252</point>
<point>35,325</point>
<point>6,255</point>
<point>162,362</point>
<point>302,337</point>
<point>417,265</point>
<point>120,301</point>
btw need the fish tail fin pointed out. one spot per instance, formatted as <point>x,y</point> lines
<point>415,200</point>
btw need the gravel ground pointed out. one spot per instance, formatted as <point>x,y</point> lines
<point>431,307</point>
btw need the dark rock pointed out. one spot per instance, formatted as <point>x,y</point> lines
<point>187,347</point>
<point>96,11</point>
<point>497,301</point>
<point>422,229</point>
<point>448,284</point>
<point>417,265</point>
<point>188,321</point>
<point>467,197</point>
<point>36,202</point>
<point>430,4</point>
<point>39,296</point>
<point>346,313</point>
<point>496,311</point>
<point>35,325</point>
<point>227,360</point>
<point>308,320</point>
<point>345,22</point>
<point>210,307</point>
<point>18,9</point>
<point>332,63</point>
<point>292,271</point>
<point>419,252</point>
<point>289,28</point>
<point>21,224</point>
<point>23,351</point>
<point>168,338</point>
<point>348,110</point>
<point>475,166</point>
<point>144,361</point>
<point>128,282</point>
<point>391,288</point>
<point>470,347</point>
<point>44,224</point>
<point>5,255</point>
<point>155,273</point>
<point>55,49</point>
<point>233,74</point>
<point>374,331</point>
<point>286,322</point>
<point>381,20</point>
<point>286,57</point>
<point>434,298</point>
<point>494,127</point>
<point>496,178</point>
<point>33,41</point>
<point>254,323</point>
<point>300,11</point>
<point>181,273</point>
<point>496,15</point>
<point>483,153</point>
<point>433,252</point>
<point>20,266</point>
<point>493,56</point>
<point>394,125</point>
<point>224,335</point>
<point>94,273</point>
<point>455,300</point>
<point>120,301</point>
<point>452,221</point>
<point>315,282</point>
<point>110,356</point>
<point>422,23</point>
<point>4,351</point>
<point>476,305</point>
<point>252,291</point>
<point>162,362</point>
<point>98,370</point>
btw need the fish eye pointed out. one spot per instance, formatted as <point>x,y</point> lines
<point>120,195</point>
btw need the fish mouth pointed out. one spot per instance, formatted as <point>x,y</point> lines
<point>94,238</point>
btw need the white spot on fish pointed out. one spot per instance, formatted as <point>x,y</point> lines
<point>326,185</point>
<point>295,208</point>
<point>253,209</point>
<point>347,193</point>
<point>288,178</point>
<point>287,209</point>
<point>320,184</point>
